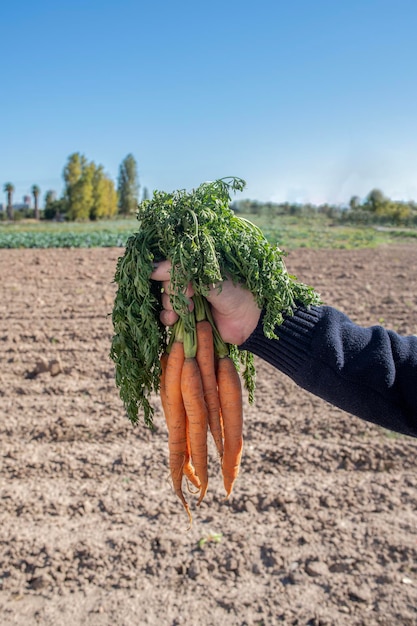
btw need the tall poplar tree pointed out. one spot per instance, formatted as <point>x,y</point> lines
<point>104,195</point>
<point>89,193</point>
<point>128,186</point>
<point>77,192</point>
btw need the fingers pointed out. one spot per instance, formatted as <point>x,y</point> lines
<point>166,300</point>
<point>168,318</point>
<point>234,308</point>
<point>162,271</point>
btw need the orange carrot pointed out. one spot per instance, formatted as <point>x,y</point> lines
<point>197,414</point>
<point>206,363</point>
<point>189,470</point>
<point>176,418</point>
<point>162,386</point>
<point>230,395</point>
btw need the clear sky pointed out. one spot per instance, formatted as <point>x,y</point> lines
<point>307,100</point>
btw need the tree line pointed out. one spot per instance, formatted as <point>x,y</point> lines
<point>375,208</point>
<point>88,194</point>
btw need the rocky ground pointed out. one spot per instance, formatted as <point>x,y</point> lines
<point>322,525</point>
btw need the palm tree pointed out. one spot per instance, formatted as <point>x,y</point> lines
<point>35,192</point>
<point>9,189</point>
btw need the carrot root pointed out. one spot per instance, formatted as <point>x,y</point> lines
<point>171,398</point>
<point>206,362</point>
<point>197,415</point>
<point>230,395</point>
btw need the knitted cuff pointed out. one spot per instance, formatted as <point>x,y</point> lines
<point>292,348</point>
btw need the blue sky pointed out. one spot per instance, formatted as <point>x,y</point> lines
<point>308,100</point>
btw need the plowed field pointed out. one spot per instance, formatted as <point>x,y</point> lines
<point>322,525</point>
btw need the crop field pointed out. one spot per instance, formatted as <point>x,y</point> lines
<point>321,528</point>
<point>286,231</point>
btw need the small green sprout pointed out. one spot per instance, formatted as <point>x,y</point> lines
<point>210,537</point>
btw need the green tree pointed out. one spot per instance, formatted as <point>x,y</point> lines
<point>111,198</point>
<point>86,190</point>
<point>72,175</point>
<point>355,203</point>
<point>54,209</point>
<point>145,194</point>
<point>128,186</point>
<point>36,192</point>
<point>104,195</point>
<point>78,194</point>
<point>376,202</point>
<point>386,210</point>
<point>399,212</point>
<point>50,198</point>
<point>89,192</point>
<point>9,189</point>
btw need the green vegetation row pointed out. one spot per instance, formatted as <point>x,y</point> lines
<point>375,209</point>
<point>289,232</point>
<point>61,240</point>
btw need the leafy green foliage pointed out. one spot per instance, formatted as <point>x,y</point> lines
<point>128,185</point>
<point>376,208</point>
<point>61,239</point>
<point>288,232</point>
<point>89,193</point>
<point>206,243</point>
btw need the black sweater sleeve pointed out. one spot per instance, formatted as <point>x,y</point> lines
<point>368,372</point>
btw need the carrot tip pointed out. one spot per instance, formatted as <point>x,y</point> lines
<point>202,495</point>
<point>191,490</point>
<point>190,518</point>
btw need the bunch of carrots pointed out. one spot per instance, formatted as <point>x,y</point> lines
<point>200,386</point>
<point>200,391</point>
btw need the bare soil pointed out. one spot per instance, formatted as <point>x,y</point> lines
<point>321,528</point>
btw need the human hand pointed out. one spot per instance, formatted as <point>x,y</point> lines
<point>234,308</point>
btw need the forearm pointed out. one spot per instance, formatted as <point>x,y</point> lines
<point>369,372</point>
